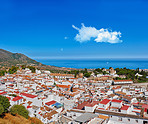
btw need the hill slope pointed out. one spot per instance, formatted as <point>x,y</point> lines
<point>7,58</point>
<point>17,119</point>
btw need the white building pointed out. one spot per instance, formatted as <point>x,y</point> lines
<point>104,104</point>
<point>115,82</point>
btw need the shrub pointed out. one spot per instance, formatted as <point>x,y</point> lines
<point>4,101</point>
<point>19,109</point>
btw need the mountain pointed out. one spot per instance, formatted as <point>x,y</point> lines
<point>8,59</point>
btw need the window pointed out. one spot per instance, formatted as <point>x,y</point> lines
<point>128,119</point>
<point>120,119</point>
<point>137,121</point>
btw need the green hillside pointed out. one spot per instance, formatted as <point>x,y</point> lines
<point>8,59</point>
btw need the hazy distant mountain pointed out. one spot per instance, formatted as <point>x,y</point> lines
<point>8,58</point>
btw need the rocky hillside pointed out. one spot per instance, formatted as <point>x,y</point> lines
<point>8,59</point>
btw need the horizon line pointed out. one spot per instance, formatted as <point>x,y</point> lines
<point>83,58</point>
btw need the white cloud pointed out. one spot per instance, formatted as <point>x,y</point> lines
<point>65,38</point>
<point>102,35</point>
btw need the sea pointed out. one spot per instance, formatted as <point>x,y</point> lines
<point>97,63</point>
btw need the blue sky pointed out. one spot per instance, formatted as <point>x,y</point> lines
<point>43,29</point>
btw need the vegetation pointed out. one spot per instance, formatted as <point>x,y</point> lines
<point>130,74</point>
<point>19,114</point>
<point>76,72</point>
<point>32,68</point>
<point>104,72</point>
<point>57,71</point>
<point>13,69</point>
<point>1,109</point>
<point>8,59</point>
<point>17,119</point>
<point>2,72</point>
<point>87,74</point>
<point>14,95</point>
<point>99,71</point>
<point>4,102</point>
<point>23,66</point>
<point>19,109</point>
<point>118,78</point>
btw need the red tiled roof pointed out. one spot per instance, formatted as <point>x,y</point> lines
<point>118,87</point>
<point>63,86</point>
<point>16,91</point>
<point>29,95</point>
<point>3,93</point>
<point>11,84</point>
<point>105,101</point>
<point>92,104</point>
<point>17,98</point>
<point>101,108</point>
<point>50,103</point>
<point>95,102</point>
<point>89,105</point>
<point>125,107</point>
<point>29,106</point>
<point>115,100</point>
<point>81,106</point>
<point>145,106</point>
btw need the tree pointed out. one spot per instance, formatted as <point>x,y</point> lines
<point>19,109</point>
<point>104,72</point>
<point>1,109</point>
<point>98,70</point>
<point>87,74</point>
<point>23,66</point>
<point>4,101</point>
<point>14,95</point>
<point>110,67</point>
<point>75,72</point>
<point>130,74</point>
<point>85,70</point>
<point>13,69</point>
<point>95,72</point>
<point>32,69</point>
<point>2,72</point>
<point>137,70</point>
